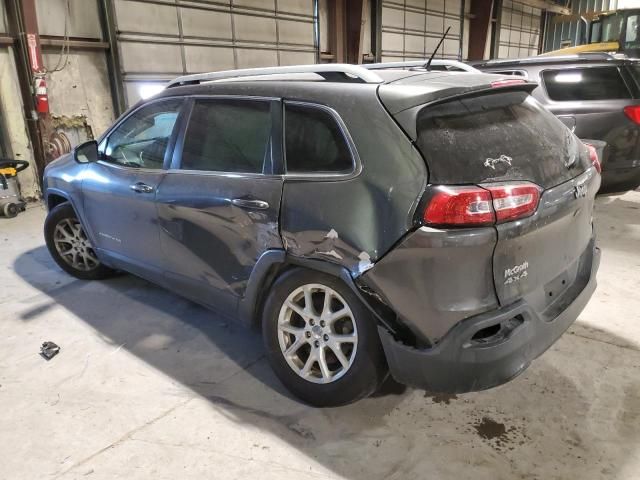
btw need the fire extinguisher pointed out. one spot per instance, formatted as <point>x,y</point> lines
<point>42,98</point>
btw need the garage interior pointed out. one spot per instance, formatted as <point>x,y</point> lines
<point>148,384</point>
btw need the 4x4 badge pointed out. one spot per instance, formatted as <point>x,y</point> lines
<point>580,190</point>
<point>491,162</point>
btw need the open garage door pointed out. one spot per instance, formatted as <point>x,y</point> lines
<point>161,40</point>
<point>411,29</point>
<point>519,30</point>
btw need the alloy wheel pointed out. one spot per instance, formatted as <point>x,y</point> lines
<point>317,333</point>
<point>73,246</point>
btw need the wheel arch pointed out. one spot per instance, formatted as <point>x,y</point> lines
<point>57,197</point>
<point>272,264</point>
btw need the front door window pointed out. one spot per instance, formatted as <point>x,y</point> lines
<point>141,141</point>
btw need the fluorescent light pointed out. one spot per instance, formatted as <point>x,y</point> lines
<point>568,78</point>
<point>147,90</point>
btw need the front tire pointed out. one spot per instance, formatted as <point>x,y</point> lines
<point>321,341</point>
<point>69,246</point>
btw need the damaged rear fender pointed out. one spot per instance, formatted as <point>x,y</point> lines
<point>273,263</point>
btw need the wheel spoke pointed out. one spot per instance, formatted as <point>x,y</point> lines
<point>297,309</point>
<point>326,307</point>
<point>66,237</point>
<point>311,359</point>
<point>74,259</point>
<point>343,312</point>
<point>322,361</point>
<point>295,346</point>
<point>308,302</point>
<point>345,338</point>
<point>288,328</point>
<point>335,348</point>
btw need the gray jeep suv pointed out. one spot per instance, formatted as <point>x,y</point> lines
<point>597,96</point>
<point>437,225</point>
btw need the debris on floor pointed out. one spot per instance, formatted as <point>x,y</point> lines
<point>48,350</point>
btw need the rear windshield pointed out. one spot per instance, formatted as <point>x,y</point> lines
<point>579,84</point>
<point>497,137</point>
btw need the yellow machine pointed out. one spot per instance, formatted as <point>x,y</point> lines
<point>613,31</point>
<point>11,203</point>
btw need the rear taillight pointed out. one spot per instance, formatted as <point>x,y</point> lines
<point>477,206</point>
<point>593,156</point>
<point>514,201</point>
<point>459,206</point>
<point>633,112</point>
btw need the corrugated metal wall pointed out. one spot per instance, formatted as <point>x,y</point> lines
<point>411,29</point>
<point>519,30</point>
<point>160,39</point>
<point>559,31</point>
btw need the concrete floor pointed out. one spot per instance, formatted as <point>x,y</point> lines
<point>148,385</point>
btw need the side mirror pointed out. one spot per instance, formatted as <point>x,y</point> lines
<point>86,152</point>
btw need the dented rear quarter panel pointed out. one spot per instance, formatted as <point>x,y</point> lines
<point>355,219</point>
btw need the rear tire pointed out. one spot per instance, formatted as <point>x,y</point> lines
<point>321,341</point>
<point>69,246</point>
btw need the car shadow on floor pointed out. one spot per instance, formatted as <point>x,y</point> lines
<point>573,414</point>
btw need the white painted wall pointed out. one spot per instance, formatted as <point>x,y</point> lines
<point>81,88</point>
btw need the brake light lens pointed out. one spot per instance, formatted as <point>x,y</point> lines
<point>633,112</point>
<point>459,206</point>
<point>506,82</point>
<point>514,201</point>
<point>593,155</point>
<point>477,206</point>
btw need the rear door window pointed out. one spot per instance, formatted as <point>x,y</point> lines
<point>497,137</point>
<point>580,84</point>
<point>227,136</point>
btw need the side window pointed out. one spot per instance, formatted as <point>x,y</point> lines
<point>227,136</point>
<point>141,140</point>
<point>598,83</point>
<point>631,35</point>
<point>314,142</point>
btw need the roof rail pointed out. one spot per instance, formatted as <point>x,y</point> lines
<point>421,63</point>
<point>328,71</point>
<point>546,58</point>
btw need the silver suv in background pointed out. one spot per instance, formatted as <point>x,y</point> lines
<point>597,96</point>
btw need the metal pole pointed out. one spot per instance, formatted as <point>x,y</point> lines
<point>110,35</point>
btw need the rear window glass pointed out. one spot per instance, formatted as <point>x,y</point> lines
<point>602,83</point>
<point>497,137</point>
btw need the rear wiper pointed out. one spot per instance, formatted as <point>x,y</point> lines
<point>427,65</point>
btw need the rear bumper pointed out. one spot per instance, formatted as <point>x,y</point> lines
<point>459,363</point>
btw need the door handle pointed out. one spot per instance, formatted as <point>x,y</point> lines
<point>141,188</point>
<point>251,204</point>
